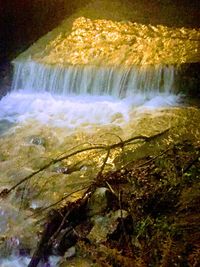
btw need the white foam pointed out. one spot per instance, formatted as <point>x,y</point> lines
<point>76,111</point>
<point>75,96</point>
<point>43,100</point>
<point>14,261</point>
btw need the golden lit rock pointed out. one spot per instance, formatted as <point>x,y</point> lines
<point>110,42</point>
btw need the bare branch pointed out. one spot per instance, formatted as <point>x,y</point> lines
<point>120,144</point>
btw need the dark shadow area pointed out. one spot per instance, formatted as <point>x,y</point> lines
<point>188,80</point>
<point>172,13</point>
<point>23,22</point>
<point>5,77</point>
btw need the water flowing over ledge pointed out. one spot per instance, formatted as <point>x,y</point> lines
<point>94,80</point>
<point>54,107</point>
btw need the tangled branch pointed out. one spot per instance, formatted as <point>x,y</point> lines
<point>107,148</point>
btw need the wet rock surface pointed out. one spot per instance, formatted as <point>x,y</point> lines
<point>6,73</point>
<point>188,79</point>
<point>106,225</point>
<point>99,201</point>
<point>36,140</point>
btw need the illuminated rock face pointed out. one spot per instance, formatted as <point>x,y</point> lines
<point>114,43</point>
<point>111,43</point>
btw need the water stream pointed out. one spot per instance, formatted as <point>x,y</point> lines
<point>56,108</point>
<point>39,124</point>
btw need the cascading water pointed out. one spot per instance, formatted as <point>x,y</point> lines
<point>117,65</point>
<point>119,82</point>
<point>76,98</point>
<point>73,98</point>
<point>98,81</point>
<point>75,95</point>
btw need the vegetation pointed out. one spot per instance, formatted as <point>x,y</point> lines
<point>161,195</point>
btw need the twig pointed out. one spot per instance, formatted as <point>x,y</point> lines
<point>120,144</point>
<point>111,189</point>
<point>7,191</point>
<point>150,160</point>
<point>191,163</point>
<point>60,200</point>
<point>59,228</point>
<point>104,164</point>
<point>121,140</point>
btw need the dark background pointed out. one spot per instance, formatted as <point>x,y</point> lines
<point>23,21</point>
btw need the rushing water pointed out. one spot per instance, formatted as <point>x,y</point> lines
<point>39,124</point>
<point>94,80</point>
<point>90,81</point>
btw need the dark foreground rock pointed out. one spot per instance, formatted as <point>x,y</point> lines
<point>5,78</point>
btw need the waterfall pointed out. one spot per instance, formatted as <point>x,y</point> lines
<point>99,63</point>
<point>120,82</point>
<point>98,78</point>
<point>75,95</point>
<point>96,71</point>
